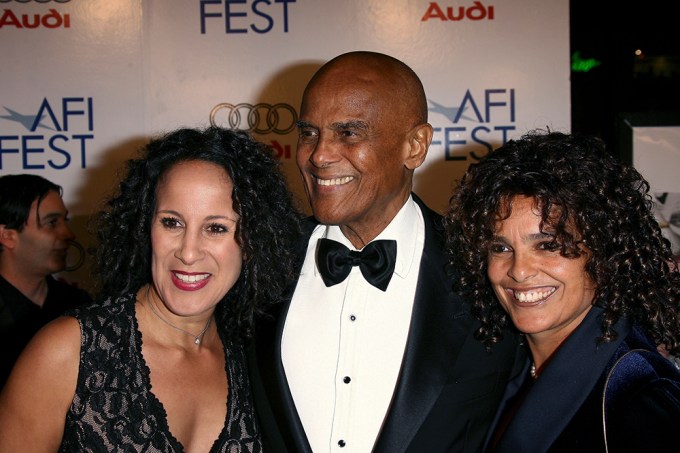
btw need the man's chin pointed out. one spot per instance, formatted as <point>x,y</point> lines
<point>328,216</point>
<point>57,266</point>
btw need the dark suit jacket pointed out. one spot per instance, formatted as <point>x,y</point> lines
<point>448,388</point>
<point>563,410</point>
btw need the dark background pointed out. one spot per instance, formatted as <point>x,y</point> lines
<point>646,85</point>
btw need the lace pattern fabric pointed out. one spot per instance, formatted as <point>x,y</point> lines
<point>114,408</point>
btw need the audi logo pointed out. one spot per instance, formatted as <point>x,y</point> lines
<point>259,118</point>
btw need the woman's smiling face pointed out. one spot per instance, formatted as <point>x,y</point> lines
<point>545,294</point>
<point>195,256</point>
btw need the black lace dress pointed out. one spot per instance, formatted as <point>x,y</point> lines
<point>114,408</point>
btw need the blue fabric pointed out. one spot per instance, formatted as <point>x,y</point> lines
<point>563,409</point>
<point>642,395</point>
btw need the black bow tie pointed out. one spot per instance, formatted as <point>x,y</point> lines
<point>376,262</point>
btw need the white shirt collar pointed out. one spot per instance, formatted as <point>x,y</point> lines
<point>402,228</point>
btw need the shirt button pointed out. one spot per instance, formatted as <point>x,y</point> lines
<point>341,443</point>
<point>352,318</point>
<point>346,380</point>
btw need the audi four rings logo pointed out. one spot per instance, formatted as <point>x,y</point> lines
<point>259,118</point>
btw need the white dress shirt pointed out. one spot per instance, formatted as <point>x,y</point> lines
<point>342,346</point>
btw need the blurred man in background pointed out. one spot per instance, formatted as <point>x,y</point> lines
<point>34,238</point>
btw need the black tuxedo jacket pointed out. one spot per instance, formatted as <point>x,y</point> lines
<point>448,388</point>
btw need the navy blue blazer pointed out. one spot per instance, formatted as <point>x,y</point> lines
<point>448,388</point>
<point>567,408</point>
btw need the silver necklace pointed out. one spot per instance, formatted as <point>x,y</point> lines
<point>197,338</point>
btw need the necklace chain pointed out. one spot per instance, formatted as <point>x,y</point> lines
<point>197,338</point>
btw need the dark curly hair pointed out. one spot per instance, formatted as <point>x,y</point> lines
<point>266,231</point>
<point>586,196</point>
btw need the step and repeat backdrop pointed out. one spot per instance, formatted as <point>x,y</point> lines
<point>86,83</point>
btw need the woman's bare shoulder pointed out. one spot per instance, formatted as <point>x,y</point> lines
<point>40,389</point>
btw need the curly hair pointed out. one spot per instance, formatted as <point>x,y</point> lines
<point>267,229</point>
<point>586,197</point>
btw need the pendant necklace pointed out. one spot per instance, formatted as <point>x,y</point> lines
<point>197,338</point>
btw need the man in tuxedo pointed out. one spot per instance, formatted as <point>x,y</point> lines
<point>371,350</point>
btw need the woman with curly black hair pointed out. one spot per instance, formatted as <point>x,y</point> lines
<point>558,237</point>
<point>194,244</point>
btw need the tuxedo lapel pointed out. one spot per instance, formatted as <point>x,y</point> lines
<point>295,427</point>
<point>432,341</point>
<point>290,435</point>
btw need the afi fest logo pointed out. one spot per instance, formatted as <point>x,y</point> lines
<point>280,119</point>
<point>244,16</point>
<point>57,135</point>
<point>482,119</point>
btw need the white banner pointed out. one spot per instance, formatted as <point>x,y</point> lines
<point>85,83</point>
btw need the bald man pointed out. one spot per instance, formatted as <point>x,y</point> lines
<point>372,351</point>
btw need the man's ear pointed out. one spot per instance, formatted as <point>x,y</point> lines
<point>419,141</point>
<point>8,237</point>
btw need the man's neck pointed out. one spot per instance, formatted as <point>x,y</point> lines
<point>33,287</point>
<point>360,235</point>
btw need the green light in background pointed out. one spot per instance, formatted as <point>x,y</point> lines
<point>579,64</point>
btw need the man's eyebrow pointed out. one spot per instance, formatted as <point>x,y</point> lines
<point>301,124</point>
<point>337,126</point>
<point>357,124</point>
<point>54,214</point>
<point>48,217</point>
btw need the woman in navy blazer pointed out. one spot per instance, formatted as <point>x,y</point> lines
<point>573,256</point>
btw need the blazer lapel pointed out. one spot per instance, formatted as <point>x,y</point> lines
<point>562,388</point>
<point>513,388</point>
